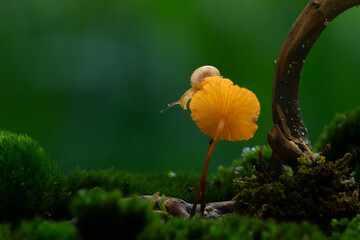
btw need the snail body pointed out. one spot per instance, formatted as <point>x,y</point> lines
<point>197,77</point>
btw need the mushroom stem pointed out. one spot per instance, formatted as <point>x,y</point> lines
<point>202,184</point>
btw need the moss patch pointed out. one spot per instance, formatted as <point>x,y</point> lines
<point>176,185</point>
<point>317,189</point>
<point>230,227</point>
<point>105,215</point>
<point>346,229</point>
<point>30,181</point>
<point>343,132</point>
<point>39,229</point>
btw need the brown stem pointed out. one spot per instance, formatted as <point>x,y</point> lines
<point>202,184</point>
<point>305,31</point>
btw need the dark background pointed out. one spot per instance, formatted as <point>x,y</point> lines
<point>87,79</point>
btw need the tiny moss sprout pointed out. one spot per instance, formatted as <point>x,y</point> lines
<point>223,111</point>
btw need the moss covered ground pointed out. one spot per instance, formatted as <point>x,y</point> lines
<point>38,201</point>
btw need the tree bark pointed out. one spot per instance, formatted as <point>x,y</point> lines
<point>316,16</point>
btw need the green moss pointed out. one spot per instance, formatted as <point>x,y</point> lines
<point>129,184</point>
<point>38,229</point>
<point>346,229</point>
<point>243,166</point>
<point>5,233</point>
<point>317,189</point>
<point>105,215</point>
<point>343,132</point>
<point>29,178</point>
<point>180,185</point>
<point>230,227</point>
<point>31,184</point>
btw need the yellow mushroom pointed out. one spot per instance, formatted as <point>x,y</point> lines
<point>225,111</point>
<point>221,110</point>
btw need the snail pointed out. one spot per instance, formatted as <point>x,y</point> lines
<point>197,77</point>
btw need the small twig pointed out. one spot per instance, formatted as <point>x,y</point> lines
<point>346,159</point>
<point>326,149</point>
<point>179,208</point>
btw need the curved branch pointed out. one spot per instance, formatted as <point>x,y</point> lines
<point>315,17</point>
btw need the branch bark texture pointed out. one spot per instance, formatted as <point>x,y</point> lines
<point>315,17</point>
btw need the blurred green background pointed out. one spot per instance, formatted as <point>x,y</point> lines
<point>87,79</point>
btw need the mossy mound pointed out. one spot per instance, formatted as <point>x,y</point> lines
<point>343,133</point>
<point>171,184</point>
<point>39,229</point>
<point>346,229</point>
<point>230,227</point>
<point>179,185</point>
<point>244,166</point>
<point>105,215</point>
<point>29,179</point>
<point>317,189</point>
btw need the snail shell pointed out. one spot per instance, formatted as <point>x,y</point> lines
<point>196,78</point>
<point>201,73</point>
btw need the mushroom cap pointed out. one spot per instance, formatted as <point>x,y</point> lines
<point>221,103</point>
